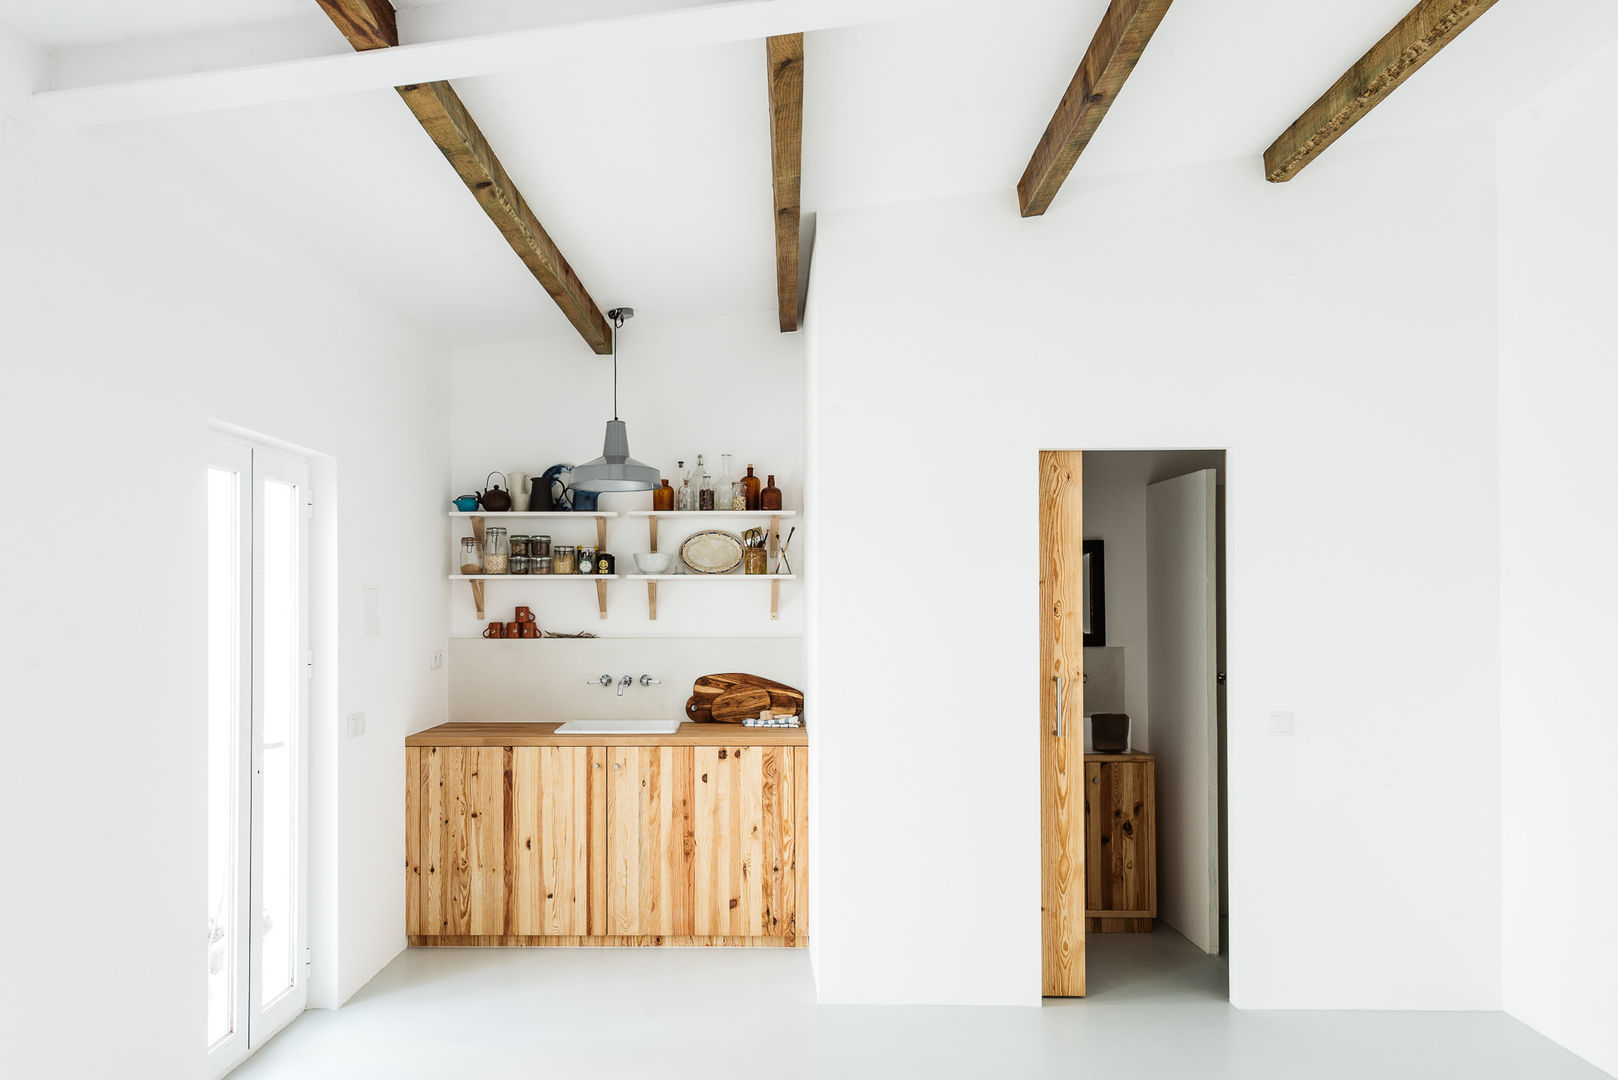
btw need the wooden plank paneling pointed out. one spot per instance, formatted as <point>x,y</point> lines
<point>486,786</point>
<point>594,811</point>
<point>434,826</point>
<point>748,915</point>
<point>679,851</point>
<point>413,793</point>
<point>526,906</point>
<point>771,871</point>
<point>784,57</point>
<point>800,850</point>
<point>368,24</point>
<point>1427,28</point>
<point>623,840</point>
<point>1120,840</point>
<point>791,795</point>
<point>564,884</point>
<point>1061,774</point>
<point>1118,43</point>
<point>457,844</point>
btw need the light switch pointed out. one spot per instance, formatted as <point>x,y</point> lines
<point>1280,723</point>
<point>437,660</point>
<point>356,725</point>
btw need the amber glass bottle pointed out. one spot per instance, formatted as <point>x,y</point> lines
<point>663,497</point>
<point>770,497</point>
<point>750,489</point>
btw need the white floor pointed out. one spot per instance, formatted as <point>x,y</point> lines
<point>1157,1009</point>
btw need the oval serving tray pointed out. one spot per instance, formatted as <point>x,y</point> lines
<point>712,551</point>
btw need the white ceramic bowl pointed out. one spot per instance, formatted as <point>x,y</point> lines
<point>654,562</point>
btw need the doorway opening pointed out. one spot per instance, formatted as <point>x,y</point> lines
<point>1136,540</point>
<point>258,511</point>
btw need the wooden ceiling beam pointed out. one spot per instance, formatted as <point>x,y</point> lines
<point>369,24</point>
<point>1428,27</point>
<point>785,57</point>
<point>1119,41</point>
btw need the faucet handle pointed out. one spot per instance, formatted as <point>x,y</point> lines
<point>647,680</point>
<point>605,680</point>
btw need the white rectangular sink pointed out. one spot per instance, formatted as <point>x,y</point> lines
<point>619,727</point>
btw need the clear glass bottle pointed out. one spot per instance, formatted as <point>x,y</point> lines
<point>705,496</point>
<point>496,550</point>
<point>686,497</point>
<point>725,486</point>
<point>750,485</point>
<point>471,555</point>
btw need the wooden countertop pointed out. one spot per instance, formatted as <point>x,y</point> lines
<point>1132,755</point>
<point>511,734</point>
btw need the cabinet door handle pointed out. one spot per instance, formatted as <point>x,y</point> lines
<point>1059,723</point>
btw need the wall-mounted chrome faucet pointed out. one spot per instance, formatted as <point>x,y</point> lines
<point>627,680</point>
<point>623,683</point>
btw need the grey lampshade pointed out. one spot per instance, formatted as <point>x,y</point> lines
<point>614,470</point>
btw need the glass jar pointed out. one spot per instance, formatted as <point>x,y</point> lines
<point>519,546</point>
<point>496,550</point>
<point>539,547</point>
<point>519,564</point>
<point>565,560</point>
<point>753,560</point>
<point>587,560</point>
<point>471,555</point>
<point>539,564</point>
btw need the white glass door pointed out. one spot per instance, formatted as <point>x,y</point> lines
<point>258,704</point>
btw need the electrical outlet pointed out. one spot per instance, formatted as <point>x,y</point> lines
<point>356,725</point>
<point>1280,723</point>
<point>437,660</point>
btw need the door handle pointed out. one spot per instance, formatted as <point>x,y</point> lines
<point>1059,723</point>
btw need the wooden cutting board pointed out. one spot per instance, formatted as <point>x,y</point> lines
<point>706,691</point>
<point>740,703</point>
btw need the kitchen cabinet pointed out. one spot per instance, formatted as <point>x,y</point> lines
<point>699,838</point>
<point>1120,830</point>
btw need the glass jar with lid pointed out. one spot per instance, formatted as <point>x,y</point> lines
<point>539,546</point>
<point>471,555</point>
<point>496,550</point>
<point>564,559</point>
<point>539,564</point>
<point>519,564</point>
<point>519,545</point>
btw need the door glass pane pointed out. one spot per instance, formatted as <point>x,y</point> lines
<point>283,697</point>
<point>224,718</point>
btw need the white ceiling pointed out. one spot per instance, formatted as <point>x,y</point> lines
<point>651,170</point>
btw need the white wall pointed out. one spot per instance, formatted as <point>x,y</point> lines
<point>137,304</point>
<point>1558,278</point>
<point>1337,335</point>
<point>709,386</point>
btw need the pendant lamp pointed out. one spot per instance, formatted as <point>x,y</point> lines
<point>615,470</point>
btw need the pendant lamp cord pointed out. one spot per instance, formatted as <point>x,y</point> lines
<point>617,324</point>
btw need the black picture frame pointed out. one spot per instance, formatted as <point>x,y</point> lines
<point>1095,593</point>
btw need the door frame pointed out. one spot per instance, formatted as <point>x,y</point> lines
<point>253,1024</point>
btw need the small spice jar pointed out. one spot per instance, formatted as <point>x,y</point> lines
<point>497,550</point>
<point>519,564</point>
<point>471,555</point>
<point>539,564</point>
<point>587,560</point>
<point>605,563</point>
<point>519,546</point>
<point>565,560</point>
<point>539,546</point>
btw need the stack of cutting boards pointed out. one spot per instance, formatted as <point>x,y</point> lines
<point>731,698</point>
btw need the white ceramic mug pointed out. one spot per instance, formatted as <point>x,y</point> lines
<point>521,485</point>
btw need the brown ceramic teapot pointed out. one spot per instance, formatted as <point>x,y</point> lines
<point>493,499</point>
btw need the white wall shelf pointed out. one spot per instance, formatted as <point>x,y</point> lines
<point>710,513</point>
<point>479,518</point>
<point>535,577</point>
<point>774,547</point>
<point>504,514</point>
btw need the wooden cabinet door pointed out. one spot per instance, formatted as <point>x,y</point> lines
<point>455,844</point>
<point>706,841</point>
<point>1121,860</point>
<point>558,851</point>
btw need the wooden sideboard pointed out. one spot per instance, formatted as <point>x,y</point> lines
<point>517,836</point>
<point>1120,837</point>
